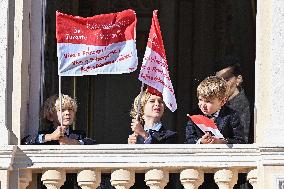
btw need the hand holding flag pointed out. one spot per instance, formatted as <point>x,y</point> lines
<point>206,125</point>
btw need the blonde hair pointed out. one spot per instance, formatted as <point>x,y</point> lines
<point>213,87</point>
<point>52,104</point>
<point>144,98</point>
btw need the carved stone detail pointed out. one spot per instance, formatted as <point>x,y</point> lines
<point>191,178</point>
<point>88,179</point>
<point>122,179</point>
<point>53,179</point>
<point>25,177</point>
<point>226,179</point>
<point>252,178</point>
<point>156,179</point>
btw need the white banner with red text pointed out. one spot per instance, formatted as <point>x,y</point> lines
<point>102,44</point>
<point>154,70</point>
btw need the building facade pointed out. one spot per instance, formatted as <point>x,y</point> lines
<point>21,76</point>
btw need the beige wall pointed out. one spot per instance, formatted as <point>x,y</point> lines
<point>269,72</point>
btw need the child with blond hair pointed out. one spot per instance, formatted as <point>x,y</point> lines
<point>147,127</point>
<point>212,95</point>
<point>55,132</point>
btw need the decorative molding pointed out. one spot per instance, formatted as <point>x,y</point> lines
<point>122,178</point>
<point>252,177</point>
<point>89,179</point>
<point>279,182</point>
<point>191,178</point>
<point>7,156</point>
<point>156,178</point>
<point>271,155</point>
<point>109,156</point>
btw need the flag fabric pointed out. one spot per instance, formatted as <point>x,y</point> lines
<point>102,44</point>
<point>154,70</point>
<point>206,124</point>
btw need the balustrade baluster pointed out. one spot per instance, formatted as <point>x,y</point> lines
<point>25,177</point>
<point>4,179</point>
<point>252,178</point>
<point>191,178</point>
<point>53,179</point>
<point>89,179</point>
<point>156,179</point>
<point>226,179</point>
<point>122,179</point>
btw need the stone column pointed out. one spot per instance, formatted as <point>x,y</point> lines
<point>252,178</point>
<point>269,72</point>
<point>191,178</point>
<point>20,70</point>
<point>122,179</point>
<point>269,90</point>
<point>89,179</point>
<point>156,179</point>
<point>53,179</point>
<point>226,179</point>
<point>4,179</point>
<point>4,134</point>
<point>25,177</point>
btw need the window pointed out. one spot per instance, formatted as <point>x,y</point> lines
<point>195,33</point>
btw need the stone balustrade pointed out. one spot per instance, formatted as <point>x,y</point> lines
<point>124,179</point>
<point>191,162</point>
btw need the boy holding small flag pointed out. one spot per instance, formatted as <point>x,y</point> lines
<point>212,95</point>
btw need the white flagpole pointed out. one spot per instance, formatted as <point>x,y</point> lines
<point>139,101</point>
<point>60,99</point>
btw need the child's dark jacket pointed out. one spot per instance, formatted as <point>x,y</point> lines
<point>162,136</point>
<point>228,122</point>
<point>74,134</point>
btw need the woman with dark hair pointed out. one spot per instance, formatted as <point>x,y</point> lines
<point>229,68</point>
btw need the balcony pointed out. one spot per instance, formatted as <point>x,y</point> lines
<point>123,161</point>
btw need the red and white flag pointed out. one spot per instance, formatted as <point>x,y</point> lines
<point>154,70</point>
<point>102,44</point>
<point>206,125</point>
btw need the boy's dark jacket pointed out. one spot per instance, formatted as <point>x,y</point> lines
<point>162,136</point>
<point>74,134</point>
<point>228,122</point>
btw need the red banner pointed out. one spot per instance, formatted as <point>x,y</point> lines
<point>154,70</point>
<point>102,44</point>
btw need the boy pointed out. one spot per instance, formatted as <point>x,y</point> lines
<point>212,95</point>
<point>53,132</point>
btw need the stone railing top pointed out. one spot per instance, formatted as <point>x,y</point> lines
<point>107,157</point>
<point>173,157</point>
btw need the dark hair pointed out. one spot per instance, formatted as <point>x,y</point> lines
<point>229,61</point>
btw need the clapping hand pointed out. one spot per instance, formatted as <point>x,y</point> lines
<point>132,139</point>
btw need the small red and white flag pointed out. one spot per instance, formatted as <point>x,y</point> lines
<point>206,125</point>
<point>154,70</point>
<point>102,44</point>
